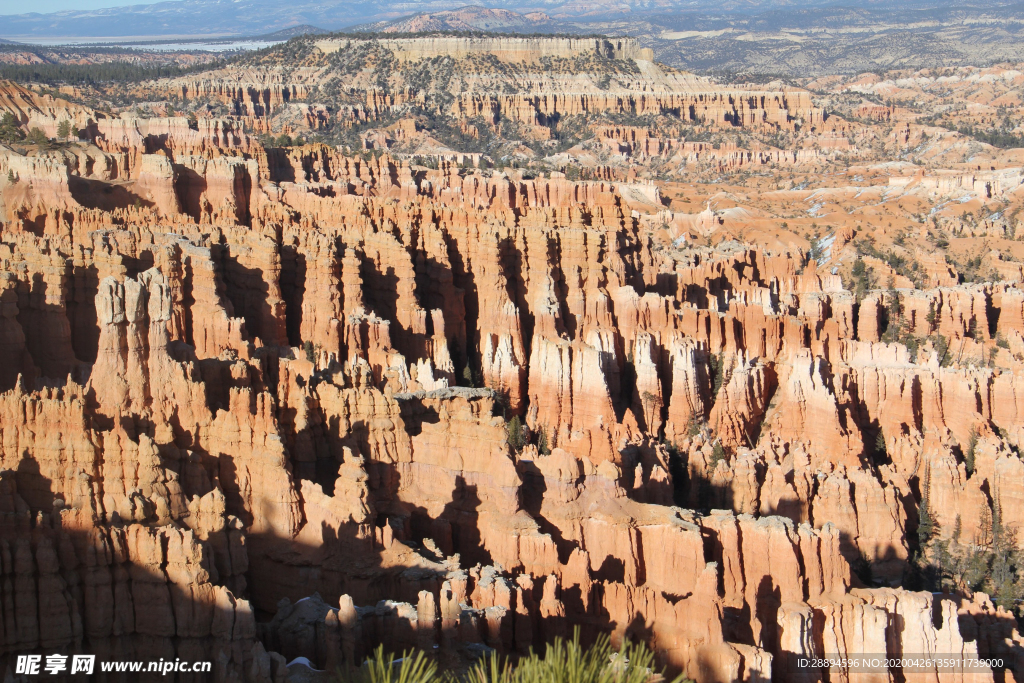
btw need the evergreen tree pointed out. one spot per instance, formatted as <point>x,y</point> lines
<point>969,454</point>
<point>36,136</point>
<point>985,528</point>
<point>10,130</point>
<point>717,366</point>
<point>998,532</point>
<point>941,345</point>
<point>894,314</point>
<point>542,442</point>
<point>863,279</point>
<point>87,74</point>
<point>927,527</point>
<point>717,453</point>
<point>881,452</point>
<point>515,434</point>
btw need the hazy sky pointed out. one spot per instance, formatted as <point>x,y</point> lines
<point>24,7</point>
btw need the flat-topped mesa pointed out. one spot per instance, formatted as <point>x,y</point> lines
<point>541,80</point>
<point>506,48</point>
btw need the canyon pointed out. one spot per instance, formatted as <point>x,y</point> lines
<point>705,377</point>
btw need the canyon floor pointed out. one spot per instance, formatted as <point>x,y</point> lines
<point>465,342</point>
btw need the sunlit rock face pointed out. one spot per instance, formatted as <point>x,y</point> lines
<point>260,403</point>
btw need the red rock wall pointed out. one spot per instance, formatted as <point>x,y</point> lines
<point>246,391</point>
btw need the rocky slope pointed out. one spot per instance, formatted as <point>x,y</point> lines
<point>527,85</point>
<point>265,401</point>
<point>244,388</point>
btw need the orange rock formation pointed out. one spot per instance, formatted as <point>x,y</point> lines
<point>286,372</point>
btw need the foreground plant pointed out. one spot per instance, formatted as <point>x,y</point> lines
<point>381,667</point>
<point>565,661</point>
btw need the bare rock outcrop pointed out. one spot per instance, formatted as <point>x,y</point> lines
<point>443,407</point>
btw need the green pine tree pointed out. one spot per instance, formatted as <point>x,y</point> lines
<point>717,453</point>
<point>542,442</point>
<point>985,527</point>
<point>927,527</point>
<point>969,454</point>
<point>514,434</point>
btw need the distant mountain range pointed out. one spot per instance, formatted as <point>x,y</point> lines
<point>293,32</point>
<point>472,18</point>
<point>259,17</point>
<point>759,38</point>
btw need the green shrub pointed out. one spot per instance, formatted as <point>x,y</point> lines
<point>411,667</point>
<point>567,661</point>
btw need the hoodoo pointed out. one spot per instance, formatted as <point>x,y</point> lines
<point>463,344</point>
